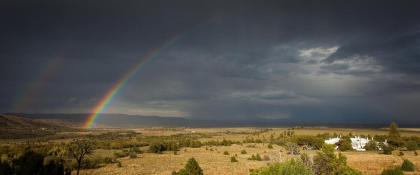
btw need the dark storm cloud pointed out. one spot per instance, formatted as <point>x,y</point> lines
<point>303,60</point>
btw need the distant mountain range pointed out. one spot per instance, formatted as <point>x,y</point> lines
<point>15,127</point>
<point>136,121</point>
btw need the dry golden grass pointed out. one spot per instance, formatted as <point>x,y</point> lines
<point>215,162</point>
<point>374,163</point>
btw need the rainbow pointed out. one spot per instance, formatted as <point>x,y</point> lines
<point>32,90</point>
<point>107,98</point>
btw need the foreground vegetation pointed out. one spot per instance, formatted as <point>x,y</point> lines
<point>239,151</point>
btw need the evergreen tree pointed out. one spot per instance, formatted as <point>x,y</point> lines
<point>191,168</point>
<point>394,137</point>
<point>393,131</point>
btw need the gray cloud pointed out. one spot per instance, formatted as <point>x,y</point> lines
<point>247,60</point>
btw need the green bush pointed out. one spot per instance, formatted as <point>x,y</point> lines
<point>233,159</point>
<point>408,166</point>
<point>387,149</point>
<point>411,145</point>
<point>290,167</point>
<point>327,162</point>
<point>314,142</point>
<point>371,146</point>
<point>392,171</point>
<point>345,144</point>
<point>157,148</point>
<point>191,168</point>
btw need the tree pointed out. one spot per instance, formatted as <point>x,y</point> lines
<point>290,167</point>
<point>326,162</point>
<point>30,162</point>
<point>191,168</point>
<point>393,131</point>
<point>394,137</point>
<point>78,149</point>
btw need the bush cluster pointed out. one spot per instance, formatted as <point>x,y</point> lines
<point>191,168</point>
<point>256,157</point>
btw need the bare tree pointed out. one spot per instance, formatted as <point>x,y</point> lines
<point>78,149</point>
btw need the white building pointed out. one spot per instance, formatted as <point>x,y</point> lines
<point>358,143</point>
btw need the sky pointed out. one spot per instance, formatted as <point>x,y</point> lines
<point>227,60</point>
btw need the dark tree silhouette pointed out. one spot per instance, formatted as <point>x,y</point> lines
<point>78,149</point>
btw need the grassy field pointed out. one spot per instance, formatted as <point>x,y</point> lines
<point>213,160</point>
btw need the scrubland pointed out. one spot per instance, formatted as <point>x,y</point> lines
<point>164,150</point>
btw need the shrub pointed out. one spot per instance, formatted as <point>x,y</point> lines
<point>345,144</point>
<point>120,154</point>
<point>191,168</point>
<point>157,148</point>
<point>256,157</point>
<point>411,145</point>
<point>225,153</point>
<point>387,149</point>
<point>408,166</point>
<point>310,141</point>
<point>233,159</point>
<point>327,162</point>
<point>306,160</point>
<point>30,162</point>
<point>392,171</point>
<point>290,167</point>
<point>90,162</point>
<point>53,165</point>
<point>371,146</point>
<point>132,155</point>
<point>243,152</point>
<point>292,148</point>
